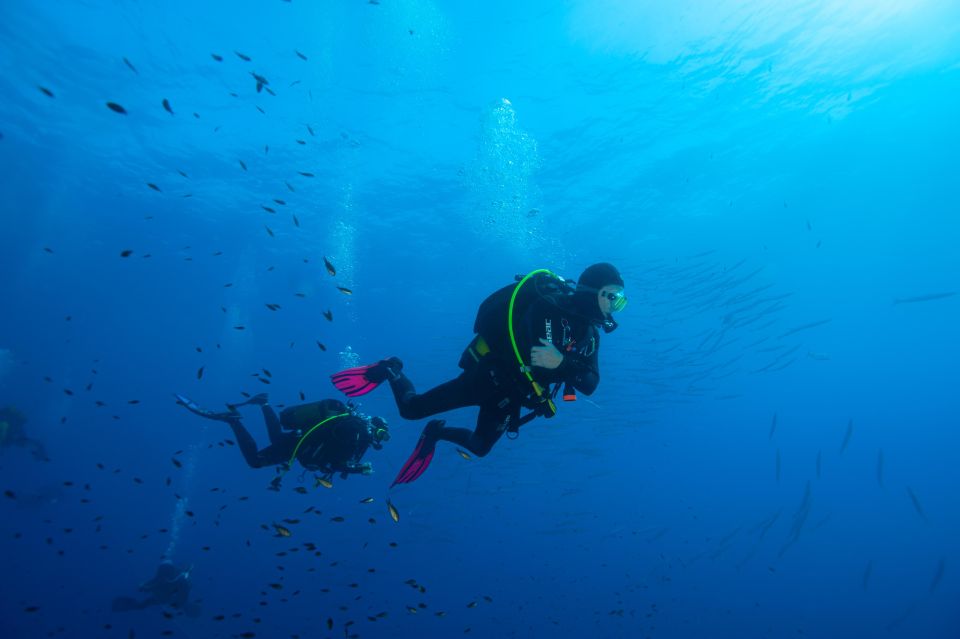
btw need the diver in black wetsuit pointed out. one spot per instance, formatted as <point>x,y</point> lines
<point>13,433</point>
<point>169,587</point>
<point>326,436</point>
<point>555,342</point>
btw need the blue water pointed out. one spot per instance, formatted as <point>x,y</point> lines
<point>777,184</point>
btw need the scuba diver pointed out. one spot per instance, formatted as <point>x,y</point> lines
<point>538,332</point>
<point>12,433</point>
<point>169,587</point>
<point>326,436</point>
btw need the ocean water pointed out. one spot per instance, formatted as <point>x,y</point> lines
<point>772,450</point>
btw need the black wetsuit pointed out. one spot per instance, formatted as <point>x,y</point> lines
<point>494,381</point>
<point>336,447</point>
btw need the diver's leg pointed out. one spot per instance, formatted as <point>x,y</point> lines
<point>492,422</point>
<point>248,446</point>
<point>274,429</point>
<point>447,396</point>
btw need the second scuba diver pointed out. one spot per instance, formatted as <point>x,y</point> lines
<point>530,335</point>
<point>326,436</point>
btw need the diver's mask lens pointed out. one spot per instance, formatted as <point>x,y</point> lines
<point>618,301</point>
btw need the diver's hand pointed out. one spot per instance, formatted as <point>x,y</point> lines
<point>546,356</point>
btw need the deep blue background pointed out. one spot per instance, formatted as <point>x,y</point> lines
<point>710,152</point>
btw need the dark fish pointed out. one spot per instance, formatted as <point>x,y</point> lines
<point>200,373</point>
<point>280,202</point>
<point>167,107</point>
<point>329,315</point>
<point>330,268</point>
<point>267,209</point>
<point>310,130</point>
<point>116,108</point>
<point>133,401</point>
<point>48,249</point>
<point>176,462</point>
<point>300,55</point>
<point>154,187</point>
<point>242,165</point>
<point>47,92</point>
<point>218,58</point>
<point>9,494</point>
<point>269,231</point>
<point>266,372</point>
<point>296,222</point>
<point>916,504</point>
<point>261,110</point>
<point>239,328</point>
<point>329,623</point>
<point>345,290</point>
<point>243,57</point>
<point>941,567</point>
<point>773,427</point>
<point>301,142</point>
<point>804,327</point>
<point>130,64</point>
<point>126,253</point>
<point>302,396</point>
<point>183,174</point>
<point>924,298</point>
<point>847,436</point>
<point>305,174</point>
<point>31,608</point>
<point>366,500</point>
<point>270,91</point>
<point>321,346</point>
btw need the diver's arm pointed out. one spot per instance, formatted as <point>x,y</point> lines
<point>582,371</point>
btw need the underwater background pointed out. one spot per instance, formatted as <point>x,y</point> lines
<point>772,450</point>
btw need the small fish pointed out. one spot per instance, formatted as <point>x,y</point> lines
<point>47,92</point>
<point>916,504</point>
<point>310,130</point>
<point>116,108</point>
<point>329,266</point>
<point>243,57</point>
<point>301,142</point>
<point>269,231</point>
<point>9,494</point>
<point>154,187</point>
<point>345,290</point>
<point>261,110</point>
<point>941,567</point>
<point>267,209</point>
<point>329,315</point>
<point>218,58</point>
<point>773,427</point>
<point>321,346</point>
<point>266,372</point>
<point>464,453</point>
<point>126,253</point>
<point>329,623</point>
<point>326,483</point>
<point>277,586</point>
<point>338,519</point>
<point>394,513</point>
<point>847,436</point>
<point>366,500</point>
<point>472,604</point>
<point>239,327</point>
<point>302,396</point>
<point>282,531</point>
<point>176,462</point>
<point>242,165</point>
<point>924,298</point>
<point>412,610</point>
<point>200,373</point>
<point>167,107</point>
<point>306,174</point>
<point>300,55</point>
<point>296,222</point>
<point>130,64</point>
<point>280,202</point>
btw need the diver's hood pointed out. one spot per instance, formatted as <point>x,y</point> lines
<point>594,278</point>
